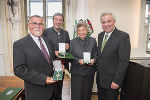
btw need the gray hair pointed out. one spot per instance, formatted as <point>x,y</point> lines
<point>107,13</point>
<point>58,14</point>
<point>84,24</point>
<point>34,16</point>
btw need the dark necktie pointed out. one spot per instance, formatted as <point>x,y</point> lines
<point>43,49</point>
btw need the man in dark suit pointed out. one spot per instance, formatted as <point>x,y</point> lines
<point>32,61</point>
<point>113,58</point>
<point>58,35</point>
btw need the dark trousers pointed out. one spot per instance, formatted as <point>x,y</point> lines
<point>57,90</point>
<point>81,87</point>
<point>107,94</point>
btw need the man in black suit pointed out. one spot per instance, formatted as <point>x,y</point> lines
<point>32,61</point>
<point>58,35</point>
<point>113,58</point>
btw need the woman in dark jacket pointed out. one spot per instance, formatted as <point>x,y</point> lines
<point>82,73</point>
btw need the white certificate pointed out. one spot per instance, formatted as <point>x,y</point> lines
<point>57,64</point>
<point>87,57</point>
<point>62,48</point>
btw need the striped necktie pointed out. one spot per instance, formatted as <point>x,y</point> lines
<point>43,49</point>
<point>104,42</point>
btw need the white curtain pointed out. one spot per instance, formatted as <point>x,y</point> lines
<point>71,9</point>
<point>12,29</point>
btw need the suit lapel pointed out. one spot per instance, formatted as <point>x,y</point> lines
<point>36,48</point>
<point>110,40</point>
<point>33,44</point>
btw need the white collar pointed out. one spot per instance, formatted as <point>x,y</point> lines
<point>34,37</point>
<point>109,33</point>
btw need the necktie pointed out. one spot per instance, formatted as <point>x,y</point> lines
<point>58,35</point>
<point>43,49</point>
<point>104,42</point>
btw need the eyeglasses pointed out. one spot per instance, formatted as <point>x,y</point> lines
<point>35,24</point>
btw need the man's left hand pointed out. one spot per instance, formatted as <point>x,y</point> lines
<point>114,85</point>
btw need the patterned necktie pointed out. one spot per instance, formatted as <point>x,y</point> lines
<point>104,42</point>
<point>43,49</point>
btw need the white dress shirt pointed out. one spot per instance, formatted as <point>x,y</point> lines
<point>38,42</point>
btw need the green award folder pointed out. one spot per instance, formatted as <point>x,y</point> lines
<point>9,93</point>
<point>58,74</point>
<point>66,55</point>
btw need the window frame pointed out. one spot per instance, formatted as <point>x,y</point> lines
<point>44,14</point>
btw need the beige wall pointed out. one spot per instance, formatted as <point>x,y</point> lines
<point>127,14</point>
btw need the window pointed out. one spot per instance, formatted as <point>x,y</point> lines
<point>147,24</point>
<point>44,8</point>
<point>147,11</point>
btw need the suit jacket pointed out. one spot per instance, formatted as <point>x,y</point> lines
<point>30,65</point>
<point>114,59</point>
<point>53,38</point>
<point>77,47</point>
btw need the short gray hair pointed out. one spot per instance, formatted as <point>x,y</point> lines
<point>34,16</point>
<point>82,23</point>
<point>58,14</point>
<point>107,13</point>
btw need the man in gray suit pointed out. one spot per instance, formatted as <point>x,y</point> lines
<point>57,35</point>
<point>113,58</point>
<point>32,61</point>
